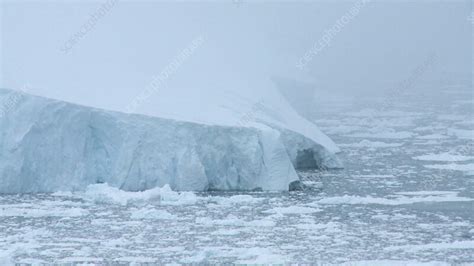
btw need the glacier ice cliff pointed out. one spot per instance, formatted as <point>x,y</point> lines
<point>49,145</point>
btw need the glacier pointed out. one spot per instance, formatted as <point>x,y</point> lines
<point>50,145</point>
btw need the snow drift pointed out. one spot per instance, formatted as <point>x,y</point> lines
<point>48,145</point>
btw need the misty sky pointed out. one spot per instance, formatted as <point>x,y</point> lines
<point>244,43</point>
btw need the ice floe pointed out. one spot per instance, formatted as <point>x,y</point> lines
<point>469,244</point>
<point>468,168</point>
<point>444,157</point>
<point>461,133</point>
<point>396,200</point>
<point>371,144</point>
<point>103,193</point>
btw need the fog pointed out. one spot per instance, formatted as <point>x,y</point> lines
<point>236,132</point>
<point>244,45</point>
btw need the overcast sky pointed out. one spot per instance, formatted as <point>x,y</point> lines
<point>243,42</point>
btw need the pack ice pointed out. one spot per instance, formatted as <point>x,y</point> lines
<point>50,145</point>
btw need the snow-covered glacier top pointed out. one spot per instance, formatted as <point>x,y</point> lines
<point>226,142</point>
<point>236,107</point>
<point>249,101</point>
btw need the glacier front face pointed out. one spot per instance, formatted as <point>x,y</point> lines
<point>48,145</point>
